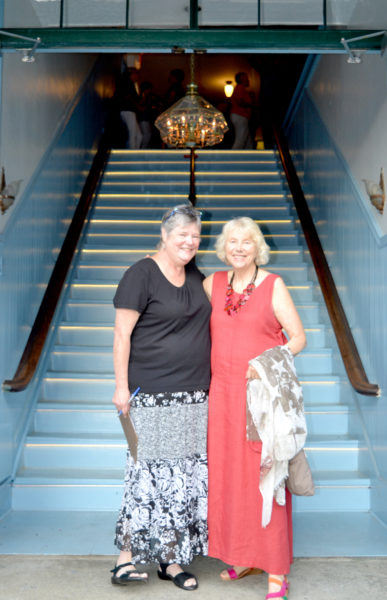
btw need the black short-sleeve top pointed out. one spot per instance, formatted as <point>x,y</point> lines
<point>170,344</point>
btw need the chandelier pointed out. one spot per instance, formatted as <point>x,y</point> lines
<point>191,122</point>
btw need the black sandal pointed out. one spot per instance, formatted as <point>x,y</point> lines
<point>129,576</point>
<point>179,579</point>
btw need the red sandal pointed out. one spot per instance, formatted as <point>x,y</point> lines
<point>233,575</point>
<point>282,593</point>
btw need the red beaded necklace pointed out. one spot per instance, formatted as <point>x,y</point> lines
<point>232,309</point>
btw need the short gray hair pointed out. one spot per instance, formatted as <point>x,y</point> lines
<point>180,215</point>
<point>251,228</point>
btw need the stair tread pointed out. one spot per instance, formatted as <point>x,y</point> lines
<point>100,439</point>
<point>331,440</point>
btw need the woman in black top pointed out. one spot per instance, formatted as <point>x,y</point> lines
<point>162,345</point>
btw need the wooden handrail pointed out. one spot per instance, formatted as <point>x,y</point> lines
<point>35,343</point>
<point>350,355</point>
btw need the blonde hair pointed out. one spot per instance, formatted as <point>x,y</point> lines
<point>252,230</point>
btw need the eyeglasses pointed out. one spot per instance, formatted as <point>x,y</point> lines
<point>187,210</point>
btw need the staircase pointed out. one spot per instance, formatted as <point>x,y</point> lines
<point>74,453</point>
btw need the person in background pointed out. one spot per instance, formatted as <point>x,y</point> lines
<point>147,114</point>
<point>176,88</point>
<point>240,113</point>
<point>250,309</point>
<point>128,94</point>
<point>162,346</point>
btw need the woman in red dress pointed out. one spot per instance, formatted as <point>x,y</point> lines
<point>250,309</point>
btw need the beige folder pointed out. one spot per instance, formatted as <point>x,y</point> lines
<point>130,434</point>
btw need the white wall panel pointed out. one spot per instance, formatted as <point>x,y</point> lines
<point>352,100</point>
<point>34,96</point>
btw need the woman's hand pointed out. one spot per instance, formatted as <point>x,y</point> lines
<point>121,400</point>
<point>251,373</point>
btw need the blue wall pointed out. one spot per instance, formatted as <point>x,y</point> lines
<point>359,265</point>
<point>30,243</point>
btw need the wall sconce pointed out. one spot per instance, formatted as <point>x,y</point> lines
<point>228,89</point>
<point>28,53</point>
<point>8,192</point>
<point>376,192</point>
<point>355,56</point>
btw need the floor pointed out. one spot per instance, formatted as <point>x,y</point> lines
<point>68,556</point>
<point>88,578</point>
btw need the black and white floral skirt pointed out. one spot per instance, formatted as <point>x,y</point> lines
<point>163,517</point>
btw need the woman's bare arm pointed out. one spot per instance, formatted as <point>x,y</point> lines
<point>287,315</point>
<point>207,284</point>
<point>125,322</point>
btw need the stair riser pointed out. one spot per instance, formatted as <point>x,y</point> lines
<point>98,225</point>
<point>333,499</point>
<point>103,336</point>
<point>94,292</point>
<point>82,362</point>
<point>78,390</point>
<point>182,187</point>
<point>93,421</point>
<point>95,497</point>
<point>225,202</point>
<point>321,423</point>
<point>205,155</point>
<point>332,459</point>
<point>201,166</point>
<point>110,241</point>
<point>117,211</point>
<point>101,391</point>
<point>203,258</point>
<point>104,313</point>
<point>292,275</point>
<point>320,393</point>
<point>76,457</point>
<point>227,174</point>
<point>100,497</point>
<point>110,456</point>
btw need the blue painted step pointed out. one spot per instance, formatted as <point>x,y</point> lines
<point>218,201</point>
<point>90,387</point>
<point>98,311</point>
<point>81,334</point>
<point>94,359</point>
<point>139,241</point>
<point>62,418</point>
<point>108,451</point>
<point>81,490</point>
<point>201,176</point>
<point>210,213</point>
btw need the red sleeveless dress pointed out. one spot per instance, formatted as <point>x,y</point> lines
<point>235,502</point>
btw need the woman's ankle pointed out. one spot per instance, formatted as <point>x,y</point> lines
<point>124,557</point>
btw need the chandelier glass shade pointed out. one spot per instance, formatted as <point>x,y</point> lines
<point>191,122</point>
